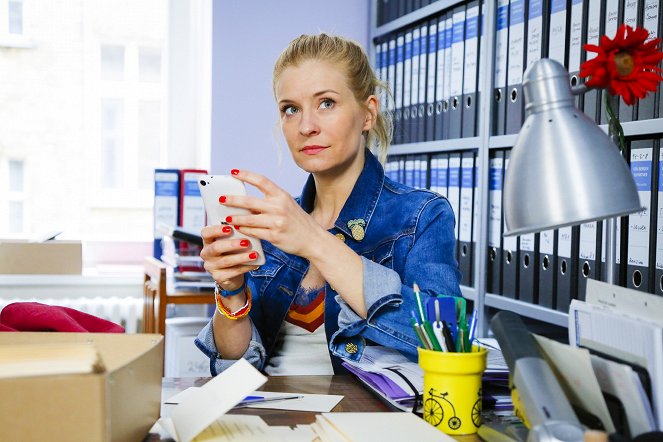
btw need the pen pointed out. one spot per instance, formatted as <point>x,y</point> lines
<point>417,296</point>
<point>428,329</point>
<point>261,400</point>
<point>473,326</point>
<point>437,327</point>
<point>425,342</point>
<point>447,337</point>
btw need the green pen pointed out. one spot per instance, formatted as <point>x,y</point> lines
<point>419,332</point>
<point>428,328</point>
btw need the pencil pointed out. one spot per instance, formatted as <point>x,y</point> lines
<point>417,296</point>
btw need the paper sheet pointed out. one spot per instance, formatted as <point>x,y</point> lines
<point>372,427</point>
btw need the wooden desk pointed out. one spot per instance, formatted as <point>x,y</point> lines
<point>356,399</point>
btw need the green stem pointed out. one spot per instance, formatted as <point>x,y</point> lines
<point>613,122</point>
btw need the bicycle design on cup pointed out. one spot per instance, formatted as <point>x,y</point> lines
<point>476,411</point>
<point>434,412</point>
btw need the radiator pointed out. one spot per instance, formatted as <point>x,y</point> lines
<point>128,311</point>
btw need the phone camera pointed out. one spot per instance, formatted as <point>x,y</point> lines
<point>203,183</point>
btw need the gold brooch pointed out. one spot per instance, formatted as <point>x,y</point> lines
<point>351,348</point>
<point>356,227</point>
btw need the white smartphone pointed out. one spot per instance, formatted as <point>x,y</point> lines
<point>211,188</point>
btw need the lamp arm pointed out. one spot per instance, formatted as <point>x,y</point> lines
<point>579,89</point>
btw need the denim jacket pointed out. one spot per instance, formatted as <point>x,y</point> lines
<point>403,236</point>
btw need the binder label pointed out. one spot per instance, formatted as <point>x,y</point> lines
<point>432,49</point>
<point>392,71</point>
<point>650,18</point>
<point>399,72</point>
<point>501,42</point>
<point>638,223</point>
<point>415,68</point>
<point>495,201</point>
<point>593,25</point>
<point>588,241</point>
<point>631,13</point>
<point>516,42</point>
<point>193,210</point>
<point>659,219</point>
<point>527,242</point>
<point>166,195</point>
<point>547,242</point>
<point>534,31</point>
<point>564,242</point>
<point>457,54</point>
<point>575,39</point>
<point>454,187</point>
<point>407,66</point>
<point>448,41</point>
<point>611,17</point>
<point>421,94</point>
<point>557,38</point>
<point>440,92</point>
<point>471,50</point>
<point>443,175</point>
<point>467,185</point>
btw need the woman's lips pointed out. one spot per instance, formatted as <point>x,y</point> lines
<point>313,150</point>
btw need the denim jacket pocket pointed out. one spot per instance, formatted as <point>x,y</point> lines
<point>383,254</point>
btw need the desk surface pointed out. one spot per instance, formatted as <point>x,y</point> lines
<point>355,398</point>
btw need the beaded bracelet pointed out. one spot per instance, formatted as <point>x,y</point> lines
<point>243,311</point>
<point>227,293</point>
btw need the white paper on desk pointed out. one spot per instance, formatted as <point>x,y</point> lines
<point>377,359</point>
<point>579,382</point>
<point>371,427</point>
<point>629,301</point>
<point>211,401</point>
<point>319,403</point>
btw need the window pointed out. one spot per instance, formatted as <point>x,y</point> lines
<point>112,62</point>
<point>149,64</point>
<point>112,147</point>
<point>16,204</point>
<point>15,16</point>
<point>149,143</point>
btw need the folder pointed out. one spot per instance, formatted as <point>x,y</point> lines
<point>575,52</point>
<point>421,93</point>
<point>646,107</point>
<point>620,249</point>
<point>495,181</point>
<point>457,66</point>
<point>466,218</point>
<point>640,233</point>
<point>440,80</point>
<point>566,268</point>
<point>629,17</point>
<point>407,88</point>
<point>192,210</point>
<point>166,204</point>
<point>384,72</point>
<point>501,48</point>
<point>527,261</point>
<point>409,171</point>
<point>658,258</point>
<point>391,74</point>
<point>515,64</point>
<point>558,33</point>
<point>611,20</point>
<point>536,31</point>
<point>509,254</point>
<point>594,28</point>
<point>470,70</point>
<point>546,267</point>
<point>440,172</point>
<point>453,193</point>
<point>431,74</point>
<point>446,103</point>
<point>398,91</point>
<point>587,251</point>
<point>414,92</point>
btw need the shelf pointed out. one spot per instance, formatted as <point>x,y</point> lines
<point>469,293</point>
<point>529,310</point>
<point>643,127</point>
<point>501,141</point>
<point>414,16</point>
<point>435,146</point>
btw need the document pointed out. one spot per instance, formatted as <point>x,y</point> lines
<point>371,427</point>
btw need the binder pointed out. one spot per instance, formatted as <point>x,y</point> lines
<point>591,100</point>
<point>470,70</point>
<point>639,224</point>
<point>495,181</point>
<point>407,88</point>
<point>398,91</point>
<point>547,261</point>
<point>587,248</point>
<point>442,174</point>
<point>414,91</point>
<point>409,171</point>
<point>440,80</point>
<point>421,94</point>
<point>391,73</point>
<point>630,18</point>
<point>527,261</point>
<point>431,80</point>
<point>558,32</point>
<point>433,174</point>
<point>509,254</point>
<point>166,204</point>
<point>453,193</point>
<point>575,52</point>
<point>501,48</point>
<point>466,218</point>
<point>192,210</point>
<point>646,107</point>
<point>446,104</point>
<point>384,71</point>
<point>658,257</point>
<point>566,268</point>
<point>516,61</point>
<point>457,66</point>
<point>536,31</point>
<point>611,17</point>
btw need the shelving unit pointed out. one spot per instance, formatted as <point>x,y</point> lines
<point>484,143</point>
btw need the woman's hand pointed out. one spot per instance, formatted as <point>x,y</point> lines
<point>226,258</point>
<point>276,217</point>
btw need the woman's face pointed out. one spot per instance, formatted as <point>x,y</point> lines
<point>320,117</point>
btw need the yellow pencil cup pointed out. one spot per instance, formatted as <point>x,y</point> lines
<point>452,389</point>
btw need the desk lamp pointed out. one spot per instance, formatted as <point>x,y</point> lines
<point>564,170</point>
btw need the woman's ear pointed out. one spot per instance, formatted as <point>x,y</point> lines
<point>372,109</point>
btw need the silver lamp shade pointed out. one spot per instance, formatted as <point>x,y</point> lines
<point>564,169</point>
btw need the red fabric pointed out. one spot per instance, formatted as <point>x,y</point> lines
<point>34,316</point>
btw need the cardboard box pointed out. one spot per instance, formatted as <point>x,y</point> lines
<point>49,258</point>
<point>119,404</point>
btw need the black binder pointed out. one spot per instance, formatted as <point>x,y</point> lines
<point>501,60</point>
<point>431,70</point>
<point>510,265</point>
<point>547,261</point>
<point>398,91</point>
<point>419,132</point>
<point>577,35</point>
<point>466,218</point>
<point>588,250</point>
<point>457,66</point>
<point>471,69</point>
<point>612,16</point>
<point>527,273</point>
<point>592,98</point>
<point>446,89</point>
<point>650,18</point>
<point>407,88</point>
<point>453,193</point>
<point>657,259</point>
<point>495,222</point>
<point>566,268</point>
<point>516,62</point>
<point>630,15</point>
<point>441,69</point>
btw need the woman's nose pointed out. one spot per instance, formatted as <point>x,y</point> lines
<point>308,125</point>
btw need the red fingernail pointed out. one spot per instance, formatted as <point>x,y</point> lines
<point>244,243</point>
<point>229,219</point>
<point>222,199</point>
<point>226,229</point>
<point>234,171</point>
<point>236,227</point>
<point>253,255</point>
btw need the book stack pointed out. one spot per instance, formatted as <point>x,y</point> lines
<point>185,270</point>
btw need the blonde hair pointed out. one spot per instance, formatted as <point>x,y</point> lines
<point>360,76</point>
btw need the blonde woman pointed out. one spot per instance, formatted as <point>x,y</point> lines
<point>340,259</point>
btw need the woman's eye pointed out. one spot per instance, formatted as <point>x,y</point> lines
<point>289,110</point>
<point>327,103</point>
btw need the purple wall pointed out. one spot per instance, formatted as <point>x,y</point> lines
<point>248,37</point>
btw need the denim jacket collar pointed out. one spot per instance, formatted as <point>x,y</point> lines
<point>362,200</point>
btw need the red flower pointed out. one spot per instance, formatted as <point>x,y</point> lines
<point>625,65</point>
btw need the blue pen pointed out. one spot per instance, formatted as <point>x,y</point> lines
<point>473,325</point>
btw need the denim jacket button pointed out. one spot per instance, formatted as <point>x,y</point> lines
<point>351,348</point>
<point>340,236</point>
